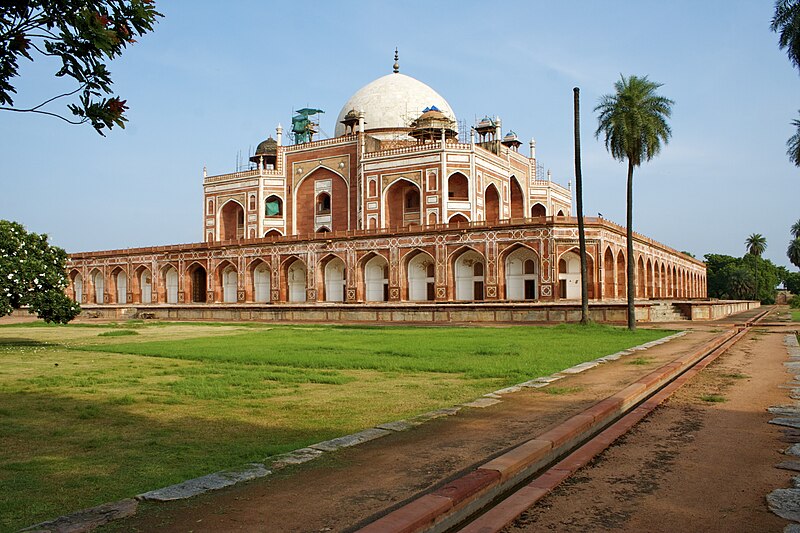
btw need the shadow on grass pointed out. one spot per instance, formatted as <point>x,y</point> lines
<point>20,342</point>
<point>60,454</point>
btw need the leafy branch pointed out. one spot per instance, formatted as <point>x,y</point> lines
<point>84,35</point>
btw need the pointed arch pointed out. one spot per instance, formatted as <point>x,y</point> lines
<point>402,201</point>
<point>97,286</point>
<point>517,199</point>
<point>226,278</point>
<point>609,279</point>
<point>306,218</point>
<point>520,267</point>
<point>273,206</point>
<point>569,274</point>
<point>458,187</point>
<point>468,268</point>
<point>458,219</point>
<point>640,278</point>
<point>231,220</point>
<point>119,286</point>
<point>196,282</point>
<point>538,210</point>
<point>76,284</point>
<point>622,275</point>
<point>294,282</point>
<point>420,276</point>
<point>491,204</point>
<point>334,278</point>
<point>168,291</point>
<point>142,285</point>
<point>259,275</point>
<point>373,271</point>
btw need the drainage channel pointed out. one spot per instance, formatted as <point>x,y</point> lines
<point>491,496</point>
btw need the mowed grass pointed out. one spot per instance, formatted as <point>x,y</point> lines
<point>796,316</point>
<point>86,419</point>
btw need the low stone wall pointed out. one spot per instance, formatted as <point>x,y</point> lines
<point>614,313</point>
<point>715,309</point>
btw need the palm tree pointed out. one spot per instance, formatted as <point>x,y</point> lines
<point>786,23</point>
<point>740,283</point>
<point>795,231</point>
<point>756,244</point>
<point>576,92</point>
<point>634,124</point>
<point>793,252</point>
<point>793,145</point>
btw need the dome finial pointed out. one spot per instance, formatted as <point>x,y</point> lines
<point>396,64</point>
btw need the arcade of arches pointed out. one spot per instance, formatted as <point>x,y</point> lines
<point>528,264</point>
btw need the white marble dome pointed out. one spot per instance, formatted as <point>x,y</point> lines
<point>392,102</point>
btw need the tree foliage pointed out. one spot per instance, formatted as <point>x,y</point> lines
<point>793,252</point>
<point>793,144</point>
<point>791,280</point>
<point>756,244</point>
<point>633,123</point>
<point>786,23</point>
<point>737,278</point>
<point>83,35</point>
<point>32,273</point>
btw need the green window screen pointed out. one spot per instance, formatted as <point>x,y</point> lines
<point>273,208</point>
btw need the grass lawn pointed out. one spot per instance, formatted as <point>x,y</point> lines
<point>796,316</point>
<point>91,414</point>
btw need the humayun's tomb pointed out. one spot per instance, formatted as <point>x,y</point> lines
<point>399,216</point>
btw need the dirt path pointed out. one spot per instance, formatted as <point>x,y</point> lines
<point>694,464</point>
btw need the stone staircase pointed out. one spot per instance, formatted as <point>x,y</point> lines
<point>662,311</point>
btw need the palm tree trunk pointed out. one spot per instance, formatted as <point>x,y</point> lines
<point>579,197</point>
<point>756,263</point>
<point>629,235</point>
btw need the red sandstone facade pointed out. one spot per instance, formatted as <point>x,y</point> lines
<point>400,213</point>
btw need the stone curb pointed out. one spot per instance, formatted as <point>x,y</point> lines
<point>786,502</point>
<point>88,519</point>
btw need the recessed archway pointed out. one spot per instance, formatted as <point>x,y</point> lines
<point>77,286</point>
<point>402,207</point>
<point>120,286</point>
<point>538,210</point>
<point>468,269</point>
<point>335,274</point>
<point>296,281</point>
<point>569,276</point>
<point>491,205</point>
<point>145,280</point>
<point>608,274</point>
<point>622,276</point>
<point>231,221</point>
<point>98,287</point>
<point>517,200</point>
<point>421,276</point>
<point>197,278</point>
<point>522,274</point>
<point>229,279</point>
<point>171,284</point>
<point>260,274</point>
<point>376,279</point>
<point>458,219</point>
<point>458,187</point>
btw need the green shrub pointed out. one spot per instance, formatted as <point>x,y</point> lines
<point>118,333</point>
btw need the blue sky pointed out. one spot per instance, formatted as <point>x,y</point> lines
<point>209,84</point>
